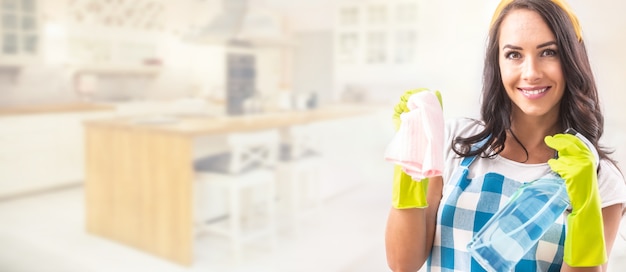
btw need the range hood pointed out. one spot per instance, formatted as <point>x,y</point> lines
<point>241,23</point>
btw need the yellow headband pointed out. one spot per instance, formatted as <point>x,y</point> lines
<point>564,6</point>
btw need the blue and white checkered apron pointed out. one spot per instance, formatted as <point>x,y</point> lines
<point>467,206</point>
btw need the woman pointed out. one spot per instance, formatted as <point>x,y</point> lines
<point>537,83</point>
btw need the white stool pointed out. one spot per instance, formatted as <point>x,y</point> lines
<point>298,172</point>
<point>246,168</point>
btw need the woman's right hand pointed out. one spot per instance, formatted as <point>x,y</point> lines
<point>401,107</point>
<point>411,224</point>
<point>407,193</point>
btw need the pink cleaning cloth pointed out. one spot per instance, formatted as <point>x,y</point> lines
<point>418,145</point>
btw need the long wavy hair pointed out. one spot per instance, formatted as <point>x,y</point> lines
<point>579,107</point>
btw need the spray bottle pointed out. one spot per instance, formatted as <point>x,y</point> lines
<point>516,228</point>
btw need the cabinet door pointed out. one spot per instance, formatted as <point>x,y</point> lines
<point>19,28</point>
<point>39,152</point>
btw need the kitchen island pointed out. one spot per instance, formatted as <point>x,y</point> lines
<point>139,173</point>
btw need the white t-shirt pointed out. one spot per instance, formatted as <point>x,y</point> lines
<point>611,184</point>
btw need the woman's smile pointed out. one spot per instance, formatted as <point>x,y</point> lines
<point>534,92</point>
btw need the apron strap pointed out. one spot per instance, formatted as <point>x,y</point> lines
<point>467,161</point>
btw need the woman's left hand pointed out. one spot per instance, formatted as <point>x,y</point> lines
<point>576,164</point>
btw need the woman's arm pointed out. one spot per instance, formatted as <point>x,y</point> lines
<point>611,217</point>
<point>410,232</point>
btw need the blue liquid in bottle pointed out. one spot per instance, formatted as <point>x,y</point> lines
<point>517,227</point>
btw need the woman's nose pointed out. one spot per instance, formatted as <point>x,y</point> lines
<point>531,70</point>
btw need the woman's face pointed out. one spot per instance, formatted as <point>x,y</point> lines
<point>530,65</point>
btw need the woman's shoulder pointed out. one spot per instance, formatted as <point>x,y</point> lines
<point>608,170</point>
<point>611,184</point>
<point>463,127</point>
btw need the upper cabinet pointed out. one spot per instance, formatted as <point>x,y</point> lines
<point>376,48</point>
<point>376,32</point>
<point>99,36</point>
<point>19,31</point>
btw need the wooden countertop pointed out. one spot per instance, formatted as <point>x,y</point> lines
<point>52,108</point>
<point>191,126</point>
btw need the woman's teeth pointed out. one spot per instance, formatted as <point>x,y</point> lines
<point>533,92</point>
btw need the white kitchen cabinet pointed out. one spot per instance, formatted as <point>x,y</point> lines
<point>376,32</point>
<point>376,48</point>
<point>19,31</point>
<point>42,151</point>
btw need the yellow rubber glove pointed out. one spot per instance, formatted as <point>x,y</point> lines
<point>584,237</point>
<point>406,193</point>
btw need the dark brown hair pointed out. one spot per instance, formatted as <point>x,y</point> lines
<point>579,106</point>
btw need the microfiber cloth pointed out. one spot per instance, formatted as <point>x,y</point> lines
<point>417,146</point>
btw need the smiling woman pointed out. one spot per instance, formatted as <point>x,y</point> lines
<point>537,82</point>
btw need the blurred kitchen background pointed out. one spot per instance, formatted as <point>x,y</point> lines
<point>161,62</point>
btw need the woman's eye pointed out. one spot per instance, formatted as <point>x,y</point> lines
<point>513,55</point>
<point>548,52</point>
